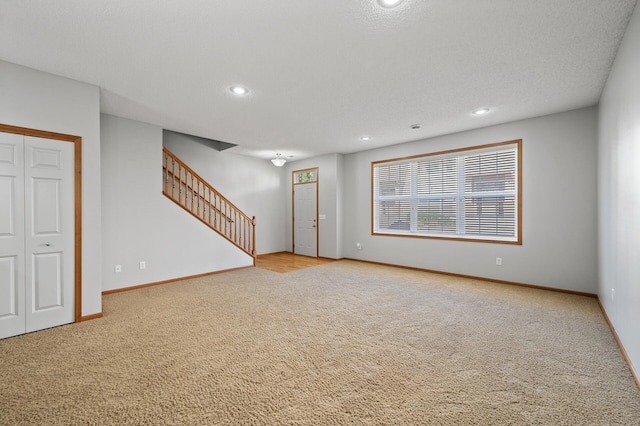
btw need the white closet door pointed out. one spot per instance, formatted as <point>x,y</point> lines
<point>12,278</point>
<point>49,232</point>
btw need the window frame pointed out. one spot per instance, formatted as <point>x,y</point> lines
<point>455,153</point>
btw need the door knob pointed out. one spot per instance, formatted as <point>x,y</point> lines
<point>47,244</point>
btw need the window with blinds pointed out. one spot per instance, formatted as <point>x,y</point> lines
<point>470,194</point>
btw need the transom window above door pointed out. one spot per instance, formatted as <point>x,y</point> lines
<point>305,176</point>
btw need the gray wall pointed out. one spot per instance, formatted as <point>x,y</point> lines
<point>253,185</point>
<point>330,202</point>
<point>559,247</point>
<point>619,193</point>
<point>38,100</point>
<point>141,224</point>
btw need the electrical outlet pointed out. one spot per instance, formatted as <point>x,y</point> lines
<point>499,261</point>
<point>117,268</point>
<point>359,246</point>
<point>142,264</point>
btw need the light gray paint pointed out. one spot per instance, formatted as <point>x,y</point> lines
<point>42,101</point>
<point>340,209</point>
<point>559,245</point>
<point>330,190</point>
<point>141,224</point>
<point>619,193</point>
<point>253,185</point>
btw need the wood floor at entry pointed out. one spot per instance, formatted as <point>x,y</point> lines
<point>287,262</point>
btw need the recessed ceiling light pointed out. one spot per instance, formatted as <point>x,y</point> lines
<point>239,90</point>
<point>389,3</point>
<point>481,111</point>
<point>364,138</point>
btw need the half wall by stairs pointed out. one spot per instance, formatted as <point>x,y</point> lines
<point>191,192</point>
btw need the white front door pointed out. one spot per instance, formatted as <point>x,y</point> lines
<point>37,256</point>
<point>305,219</point>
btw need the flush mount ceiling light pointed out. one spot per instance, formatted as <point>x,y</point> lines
<point>481,111</point>
<point>278,161</point>
<point>239,90</point>
<point>364,138</point>
<point>389,3</point>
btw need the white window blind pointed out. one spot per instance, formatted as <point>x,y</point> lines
<point>469,194</point>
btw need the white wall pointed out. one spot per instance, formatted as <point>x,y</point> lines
<point>141,224</point>
<point>619,193</point>
<point>42,101</point>
<point>340,206</point>
<point>253,185</point>
<point>559,248</point>
<point>330,198</point>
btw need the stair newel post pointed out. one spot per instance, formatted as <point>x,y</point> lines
<point>253,249</point>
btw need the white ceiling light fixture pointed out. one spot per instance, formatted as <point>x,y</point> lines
<point>278,161</point>
<point>239,90</point>
<point>481,111</point>
<point>389,3</point>
<point>364,138</point>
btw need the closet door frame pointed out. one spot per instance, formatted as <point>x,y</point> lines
<point>77,174</point>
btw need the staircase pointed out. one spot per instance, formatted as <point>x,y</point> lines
<point>187,189</point>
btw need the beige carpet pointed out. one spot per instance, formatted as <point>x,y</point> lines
<point>342,343</point>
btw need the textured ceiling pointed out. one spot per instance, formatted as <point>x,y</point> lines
<point>322,74</point>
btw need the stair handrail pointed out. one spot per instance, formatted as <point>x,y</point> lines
<point>239,228</point>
